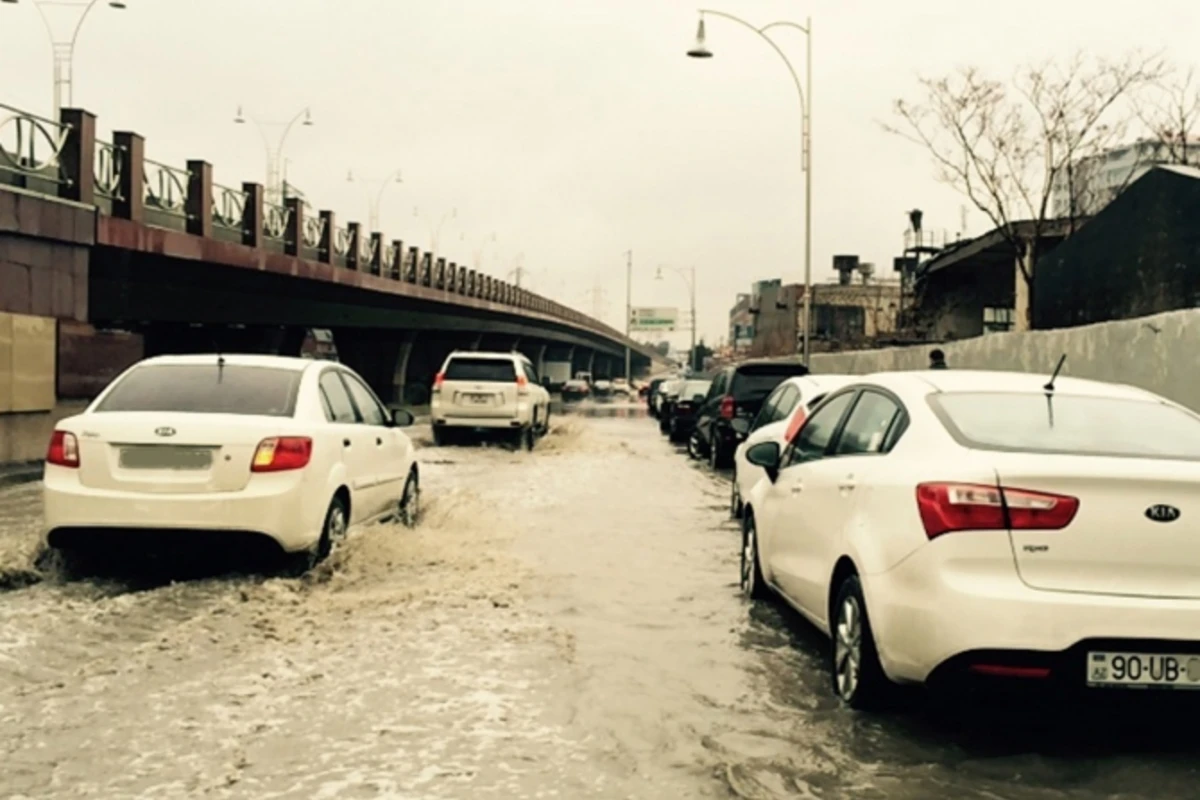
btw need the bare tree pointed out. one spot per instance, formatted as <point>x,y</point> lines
<point>1008,146</point>
<point>1171,112</point>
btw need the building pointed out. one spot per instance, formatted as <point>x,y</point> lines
<point>1096,180</point>
<point>1139,256</point>
<point>847,314</point>
<point>741,324</point>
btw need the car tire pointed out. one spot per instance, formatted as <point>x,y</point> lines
<point>528,439</point>
<point>751,580</point>
<point>333,532</point>
<point>664,424</point>
<point>856,672</point>
<point>441,437</point>
<point>408,510</point>
<point>735,498</point>
<point>695,446</point>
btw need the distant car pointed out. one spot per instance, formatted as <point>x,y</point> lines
<point>951,527</point>
<point>737,393</point>
<point>683,411</point>
<point>574,391</point>
<point>477,393</point>
<point>602,389</point>
<point>669,393</point>
<point>621,386</point>
<point>781,415</point>
<point>289,449</point>
<point>652,396</point>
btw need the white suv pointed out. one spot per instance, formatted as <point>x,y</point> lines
<point>476,393</point>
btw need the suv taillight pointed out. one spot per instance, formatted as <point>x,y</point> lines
<point>279,454</point>
<point>727,407</point>
<point>63,450</point>
<point>522,385</point>
<point>438,380</point>
<point>951,507</point>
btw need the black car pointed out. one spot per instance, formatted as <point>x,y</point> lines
<point>652,390</point>
<point>683,411</point>
<point>734,399</point>
<point>668,393</point>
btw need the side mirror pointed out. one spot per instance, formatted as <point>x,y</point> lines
<point>767,456</point>
<point>402,417</point>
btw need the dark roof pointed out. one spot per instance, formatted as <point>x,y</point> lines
<point>993,247</point>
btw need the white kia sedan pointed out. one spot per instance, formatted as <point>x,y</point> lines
<point>987,526</point>
<point>292,449</point>
<point>781,415</point>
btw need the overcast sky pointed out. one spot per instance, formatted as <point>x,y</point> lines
<point>573,129</point>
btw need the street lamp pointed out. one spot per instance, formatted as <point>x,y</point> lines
<point>700,50</point>
<point>689,276</point>
<point>435,231</point>
<point>518,271</point>
<point>477,252</point>
<point>374,201</point>
<point>63,45</point>
<point>628,314</point>
<point>274,151</point>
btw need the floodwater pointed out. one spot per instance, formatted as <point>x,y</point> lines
<point>563,624</point>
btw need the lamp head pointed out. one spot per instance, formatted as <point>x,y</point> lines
<point>658,275</point>
<point>117,4</point>
<point>239,119</point>
<point>307,118</point>
<point>700,49</point>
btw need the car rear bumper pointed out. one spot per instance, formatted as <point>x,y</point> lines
<point>489,423</point>
<point>945,608</point>
<point>282,507</point>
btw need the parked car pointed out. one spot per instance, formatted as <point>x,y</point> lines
<point>621,386</point>
<point>291,449</point>
<point>652,397</point>
<point>670,393</point>
<point>948,526</point>
<point>574,391</point>
<point>477,393</point>
<point>737,391</point>
<point>781,416</point>
<point>683,410</point>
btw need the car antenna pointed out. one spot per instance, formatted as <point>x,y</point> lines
<point>1049,387</point>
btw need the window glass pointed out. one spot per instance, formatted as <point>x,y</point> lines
<point>325,405</point>
<point>813,439</point>
<point>530,373</point>
<point>1071,424</point>
<point>767,412</point>
<point>867,425</point>
<point>753,382</point>
<point>372,412</point>
<point>787,401</point>
<point>482,370</point>
<point>206,389</point>
<point>338,397</point>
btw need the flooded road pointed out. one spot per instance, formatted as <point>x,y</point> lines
<point>562,624</point>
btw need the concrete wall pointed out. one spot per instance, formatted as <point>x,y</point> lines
<point>1160,353</point>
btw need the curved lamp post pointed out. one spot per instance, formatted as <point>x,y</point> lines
<point>375,200</point>
<point>689,276</point>
<point>804,91</point>
<point>435,231</point>
<point>64,46</point>
<point>275,151</point>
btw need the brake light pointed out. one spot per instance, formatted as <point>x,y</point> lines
<point>727,407</point>
<point>522,384</point>
<point>438,380</point>
<point>279,454</point>
<point>63,450</point>
<point>796,424</point>
<point>950,507</point>
<point>1005,671</point>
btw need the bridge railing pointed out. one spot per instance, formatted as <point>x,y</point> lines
<point>64,159</point>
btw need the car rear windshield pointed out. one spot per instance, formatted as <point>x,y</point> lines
<point>693,388</point>
<point>206,389</point>
<point>1069,424</point>
<point>497,370</point>
<point>755,383</point>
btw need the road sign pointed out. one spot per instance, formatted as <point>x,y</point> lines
<point>663,320</point>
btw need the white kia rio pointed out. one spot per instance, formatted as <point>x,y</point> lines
<point>781,415</point>
<point>292,449</point>
<point>987,526</point>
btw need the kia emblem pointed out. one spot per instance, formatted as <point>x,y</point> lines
<point>164,431</point>
<point>1163,513</point>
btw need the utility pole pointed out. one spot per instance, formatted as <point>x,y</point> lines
<point>628,314</point>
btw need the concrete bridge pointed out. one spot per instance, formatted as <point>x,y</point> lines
<point>129,257</point>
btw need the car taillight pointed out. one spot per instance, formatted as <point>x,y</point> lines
<point>727,407</point>
<point>522,385</point>
<point>796,424</point>
<point>282,453</point>
<point>63,450</point>
<point>438,380</point>
<point>950,507</point>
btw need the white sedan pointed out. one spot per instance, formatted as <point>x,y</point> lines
<point>781,415</point>
<point>964,526</point>
<point>292,449</point>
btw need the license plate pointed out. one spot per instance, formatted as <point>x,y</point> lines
<point>180,458</point>
<point>1144,670</point>
<point>479,399</point>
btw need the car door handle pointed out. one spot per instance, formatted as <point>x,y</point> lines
<point>379,441</point>
<point>797,487</point>
<point>848,483</point>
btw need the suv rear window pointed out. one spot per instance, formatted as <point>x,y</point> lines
<point>1068,424</point>
<point>758,381</point>
<point>206,389</point>
<point>495,370</point>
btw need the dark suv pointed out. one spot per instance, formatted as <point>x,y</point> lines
<point>734,399</point>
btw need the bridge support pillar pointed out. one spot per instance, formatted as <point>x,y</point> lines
<point>400,371</point>
<point>540,361</point>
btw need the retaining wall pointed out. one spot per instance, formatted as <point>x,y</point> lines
<point>1160,353</point>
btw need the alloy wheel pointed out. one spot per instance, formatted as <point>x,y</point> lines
<point>749,560</point>
<point>847,648</point>
<point>410,502</point>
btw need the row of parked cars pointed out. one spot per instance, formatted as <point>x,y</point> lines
<point>951,527</point>
<point>289,451</point>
